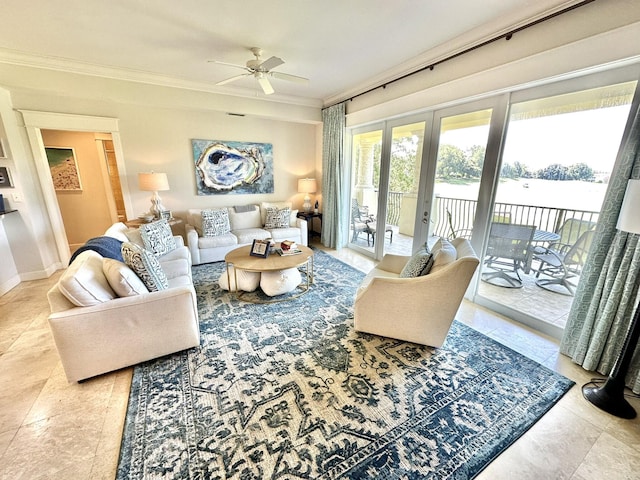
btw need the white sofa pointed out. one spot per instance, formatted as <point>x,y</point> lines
<point>245,226</point>
<point>113,332</point>
<point>418,309</point>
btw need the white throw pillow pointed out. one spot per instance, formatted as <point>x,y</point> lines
<point>215,222</point>
<point>146,266</point>
<point>84,283</point>
<point>118,231</point>
<point>247,281</point>
<point>122,279</point>
<point>243,220</point>
<point>443,254</point>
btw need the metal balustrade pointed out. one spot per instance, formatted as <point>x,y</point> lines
<point>454,217</point>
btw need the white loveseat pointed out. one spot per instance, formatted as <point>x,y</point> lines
<point>417,309</point>
<point>113,332</point>
<point>246,224</point>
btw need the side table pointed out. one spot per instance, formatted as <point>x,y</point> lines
<point>174,223</point>
<point>309,218</point>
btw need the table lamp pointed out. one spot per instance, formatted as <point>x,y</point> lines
<point>307,186</point>
<point>610,396</point>
<point>154,182</point>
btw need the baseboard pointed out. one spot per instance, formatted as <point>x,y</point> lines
<point>41,274</point>
<point>9,284</point>
<point>543,327</point>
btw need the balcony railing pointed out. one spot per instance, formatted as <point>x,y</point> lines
<point>454,216</point>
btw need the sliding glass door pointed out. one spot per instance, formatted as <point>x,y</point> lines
<point>559,151</point>
<point>460,148</point>
<point>520,174</point>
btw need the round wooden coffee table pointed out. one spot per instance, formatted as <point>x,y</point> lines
<point>241,260</point>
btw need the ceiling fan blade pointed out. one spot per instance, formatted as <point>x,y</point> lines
<point>243,67</point>
<point>270,63</point>
<point>289,77</point>
<point>266,86</point>
<point>233,79</point>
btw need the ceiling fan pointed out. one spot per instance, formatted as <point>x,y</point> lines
<point>261,71</point>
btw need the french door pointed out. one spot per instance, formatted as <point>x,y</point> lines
<point>386,164</point>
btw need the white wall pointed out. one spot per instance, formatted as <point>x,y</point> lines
<point>156,125</point>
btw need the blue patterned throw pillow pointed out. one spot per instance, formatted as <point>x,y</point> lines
<point>146,266</point>
<point>215,222</point>
<point>417,264</point>
<point>277,217</point>
<point>157,237</point>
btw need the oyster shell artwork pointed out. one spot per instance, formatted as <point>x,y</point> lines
<point>226,166</point>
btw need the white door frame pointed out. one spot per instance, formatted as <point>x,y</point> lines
<point>35,121</point>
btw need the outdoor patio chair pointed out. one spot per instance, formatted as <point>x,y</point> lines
<point>561,266</point>
<point>570,231</point>
<point>372,231</point>
<point>508,251</point>
<point>359,220</point>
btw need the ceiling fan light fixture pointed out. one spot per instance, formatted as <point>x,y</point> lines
<point>264,83</point>
<point>261,70</point>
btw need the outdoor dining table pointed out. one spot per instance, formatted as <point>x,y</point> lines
<point>539,236</point>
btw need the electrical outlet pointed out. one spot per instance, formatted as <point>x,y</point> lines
<point>17,197</point>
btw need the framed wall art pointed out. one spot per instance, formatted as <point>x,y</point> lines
<point>225,167</point>
<point>3,152</point>
<point>64,168</point>
<point>5,178</point>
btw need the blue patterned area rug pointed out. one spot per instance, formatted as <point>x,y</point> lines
<point>290,391</point>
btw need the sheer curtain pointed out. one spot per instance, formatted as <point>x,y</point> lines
<point>608,290</point>
<point>333,168</point>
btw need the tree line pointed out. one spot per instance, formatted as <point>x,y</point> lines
<point>455,163</point>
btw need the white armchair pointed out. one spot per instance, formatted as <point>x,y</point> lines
<point>419,309</point>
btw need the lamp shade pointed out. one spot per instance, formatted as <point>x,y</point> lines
<point>153,182</point>
<point>307,185</point>
<point>629,217</point>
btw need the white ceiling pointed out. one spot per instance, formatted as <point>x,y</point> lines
<point>342,46</point>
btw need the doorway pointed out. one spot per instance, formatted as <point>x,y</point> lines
<point>386,163</point>
<point>89,204</point>
<point>36,123</point>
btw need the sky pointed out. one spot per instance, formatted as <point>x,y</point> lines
<point>591,137</point>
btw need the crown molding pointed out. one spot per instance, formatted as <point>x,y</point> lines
<point>13,57</point>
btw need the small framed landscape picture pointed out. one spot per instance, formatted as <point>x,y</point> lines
<point>64,168</point>
<point>166,215</point>
<point>260,248</point>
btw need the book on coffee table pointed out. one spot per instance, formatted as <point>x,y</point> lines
<point>285,253</point>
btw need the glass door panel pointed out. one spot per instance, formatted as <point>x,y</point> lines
<point>462,144</point>
<point>557,157</point>
<point>365,183</point>
<point>399,222</point>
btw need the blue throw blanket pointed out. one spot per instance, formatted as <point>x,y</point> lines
<point>108,247</point>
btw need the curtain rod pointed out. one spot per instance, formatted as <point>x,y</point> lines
<point>507,36</point>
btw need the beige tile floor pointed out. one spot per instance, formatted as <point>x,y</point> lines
<point>50,429</point>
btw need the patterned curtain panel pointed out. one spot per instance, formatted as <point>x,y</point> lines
<point>607,293</point>
<point>333,119</point>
